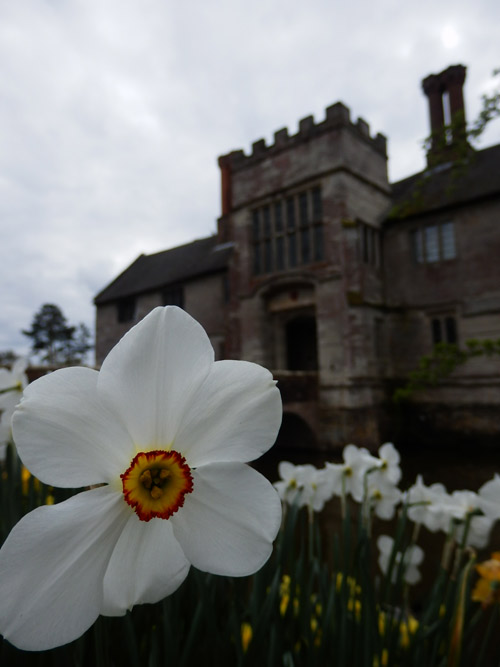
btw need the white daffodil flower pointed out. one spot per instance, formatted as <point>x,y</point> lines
<point>436,509</point>
<point>383,498</point>
<point>478,534</point>
<point>389,469</point>
<point>412,558</point>
<point>462,503</point>
<point>164,433</point>
<point>15,379</point>
<point>489,497</point>
<point>335,473</point>
<point>289,485</point>
<point>303,484</point>
<point>466,506</point>
<point>12,384</point>
<point>427,505</point>
<point>317,489</point>
<point>349,477</point>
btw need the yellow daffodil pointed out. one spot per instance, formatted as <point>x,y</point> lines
<point>487,589</point>
<point>246,635</point>
<point>381,623</point>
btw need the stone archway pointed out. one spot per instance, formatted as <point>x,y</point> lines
<point>295,433</point>
<point>291,317</point>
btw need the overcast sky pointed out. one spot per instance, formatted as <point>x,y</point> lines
<point>113,114</point>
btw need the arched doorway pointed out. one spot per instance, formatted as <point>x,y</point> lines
<point>295,433</point>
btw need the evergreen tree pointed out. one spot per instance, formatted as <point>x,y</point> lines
<point>7,357</point>
<point>55,340</point>
<point>75,348</point>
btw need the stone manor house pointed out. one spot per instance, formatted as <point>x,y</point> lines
<point>339,281</point>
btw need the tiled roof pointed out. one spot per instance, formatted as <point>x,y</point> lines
<point>448,185</point>
<point>151,272</point>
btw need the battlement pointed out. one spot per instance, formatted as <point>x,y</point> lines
<point>337,116</point>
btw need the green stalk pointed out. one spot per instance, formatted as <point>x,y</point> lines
<point>455,646</point>
<point>492,623</point>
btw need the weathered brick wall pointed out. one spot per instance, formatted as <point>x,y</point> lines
<point>109,330</point>
<point>203,299</point>
<point>467,286</point>
<point>341,291</point>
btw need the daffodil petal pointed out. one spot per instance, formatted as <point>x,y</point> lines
<point>235,415</point>
<point>16,376</point>
<point>415,554</point>
<point>228,522</point>
<point>286,470</point>
<point>52,567</point>
<point>5,379</point>
<point>9,400</point>
<point>385,544</point>
<point>152,373</point>
<point>147,565</point>
<point>412,575</point>
<point>65,434</point>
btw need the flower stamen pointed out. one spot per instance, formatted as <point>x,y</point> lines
<point>156,483</point>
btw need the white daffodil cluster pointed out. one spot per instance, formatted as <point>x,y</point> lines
<point>12,384</point>
<point>464,516</point>
<point>475,513</point>
<point>160,437</point>
<point>303,484</point>
<point>362,476</point>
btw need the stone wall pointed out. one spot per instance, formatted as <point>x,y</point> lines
<point>203,299</point>
<point>109,330</point>
<point>341,292</point>
<point>466,287</point>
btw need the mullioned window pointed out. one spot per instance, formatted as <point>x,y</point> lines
<point>288,232</point>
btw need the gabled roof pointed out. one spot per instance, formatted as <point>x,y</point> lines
<point>152,272</point>
<point>446,185</point>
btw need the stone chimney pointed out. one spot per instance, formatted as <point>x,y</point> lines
<point>448,137</point>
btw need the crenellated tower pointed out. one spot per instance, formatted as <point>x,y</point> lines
<point>304,216</point>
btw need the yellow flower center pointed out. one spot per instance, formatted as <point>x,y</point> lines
<point>156,483</point>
